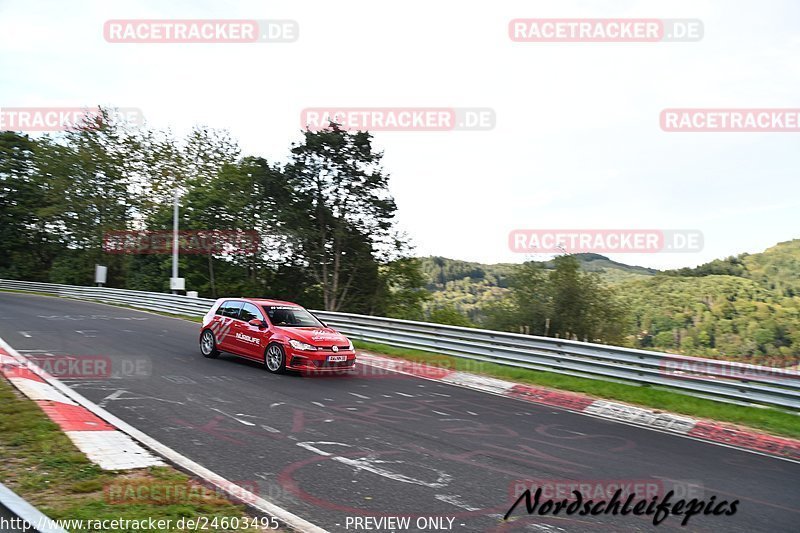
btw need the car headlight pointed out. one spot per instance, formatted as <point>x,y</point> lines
<point>350,345</point>
<point>297,345</point>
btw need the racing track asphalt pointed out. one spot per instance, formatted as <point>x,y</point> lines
<point>329,448</point>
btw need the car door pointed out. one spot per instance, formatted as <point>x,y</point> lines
<point>248,338</point>
<point>225,320</point>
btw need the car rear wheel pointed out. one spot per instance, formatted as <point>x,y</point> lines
<point>275,359</point>
<point>208,345</point>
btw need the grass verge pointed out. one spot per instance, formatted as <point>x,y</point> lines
<point>766,419</point>
<point>41,464</point>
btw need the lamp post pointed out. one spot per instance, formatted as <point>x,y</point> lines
<point>175,240</point>
<point>176,283</point>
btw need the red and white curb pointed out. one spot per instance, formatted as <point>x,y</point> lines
<point>22,374</point>
<point>102,443</point>
<point>714,432</point>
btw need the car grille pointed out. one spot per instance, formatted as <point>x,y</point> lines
<point>330,348</point>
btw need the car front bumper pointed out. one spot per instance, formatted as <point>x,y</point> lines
<point>311,362</point>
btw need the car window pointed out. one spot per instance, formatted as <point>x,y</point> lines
<point>291,316</point>
<point>249,312</point>
<point>231,309</point>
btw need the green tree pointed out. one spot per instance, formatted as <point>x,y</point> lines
<point>564,302</point>
<point>89,189</point>
<point>341,216</point>
<point>27,248</point>
<point>401,290</point>
<point>450,315</point>
<point>532,294</point>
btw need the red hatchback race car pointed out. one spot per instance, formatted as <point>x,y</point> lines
<point>281,335</point>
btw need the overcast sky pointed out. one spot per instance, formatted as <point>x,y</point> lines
<point>577,142</point>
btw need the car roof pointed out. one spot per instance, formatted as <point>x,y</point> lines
<point>262,301</point>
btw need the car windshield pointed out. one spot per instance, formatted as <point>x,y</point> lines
<point>291,317</point>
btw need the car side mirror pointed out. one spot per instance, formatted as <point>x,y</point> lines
<point>257,322</point>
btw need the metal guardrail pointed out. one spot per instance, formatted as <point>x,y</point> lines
<point>708,378</point>
<point>20,516</point>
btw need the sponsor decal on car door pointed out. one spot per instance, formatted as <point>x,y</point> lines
<point>248,338</point>
<point>223,324</point>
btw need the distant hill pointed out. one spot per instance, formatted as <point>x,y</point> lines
<point>441,270</point>
<point>776,268</point>
<point>744,308</point>
<point>463,285</point>
<point>610,271</point>
<point>468,286</point>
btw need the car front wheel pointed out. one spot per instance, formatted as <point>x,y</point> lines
<point>275,359</point>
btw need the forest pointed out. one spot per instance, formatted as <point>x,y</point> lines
<point>743,308</point>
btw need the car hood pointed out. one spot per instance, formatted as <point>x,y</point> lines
<point>316,336</point>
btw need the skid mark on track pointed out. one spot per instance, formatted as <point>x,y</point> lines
<point>543,527</point>
<point>90,317</point>
<point>122,397</point>
<point>376,466</point>
<point>455,500</point>
<point>113,396</point>
<point>359,395</point>
<point>221,400</point>
<point>180,380</point>
<point>232,417</point>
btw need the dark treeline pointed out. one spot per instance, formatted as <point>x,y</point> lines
<point>325,218</point>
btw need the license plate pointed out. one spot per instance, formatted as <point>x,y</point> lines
<point>335,358</point>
